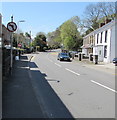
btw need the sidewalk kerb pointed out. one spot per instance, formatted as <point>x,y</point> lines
<point>38,97</point>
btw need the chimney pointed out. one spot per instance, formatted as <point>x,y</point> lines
<point>107,20</point>
<point>101,24</point>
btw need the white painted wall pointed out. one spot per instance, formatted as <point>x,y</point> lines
<point>84,51</point>
<point>110,43</point>
<point>107,60</point>
<point>113,43</point>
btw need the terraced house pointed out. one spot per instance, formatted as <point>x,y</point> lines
<point>88,44</point>
<point>101,42</point>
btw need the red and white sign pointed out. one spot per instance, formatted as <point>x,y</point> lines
<point>19,45</point>
<point>11,26</point>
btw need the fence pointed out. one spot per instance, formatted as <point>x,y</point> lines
<point>6,60</point>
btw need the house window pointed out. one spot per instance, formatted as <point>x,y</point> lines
<point>105,51</point>
<point>92,39</point>
<point>106,36</point>
<point>100,52</point>
<point>97,38</point>
<point>101,37</point>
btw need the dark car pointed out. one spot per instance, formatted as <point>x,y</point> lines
<point>64,56</point>
<point>74,53</point>
<point>27,50</point>
<point>115,61</point>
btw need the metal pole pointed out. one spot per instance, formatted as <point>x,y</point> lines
<point>30,40</point>
<point>11,47</point>
<point>17,32</point>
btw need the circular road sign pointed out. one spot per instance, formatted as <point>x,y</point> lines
<point>11,26</point>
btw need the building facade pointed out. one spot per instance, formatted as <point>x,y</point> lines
<point>6,37</point>
<point>101,42</point>
<point>105,42</point>
<point>88,44</point>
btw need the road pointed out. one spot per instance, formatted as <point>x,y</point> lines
<point>85,92</point>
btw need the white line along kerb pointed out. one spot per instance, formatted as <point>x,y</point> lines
<point>104,86</point>
<point>72,71</point>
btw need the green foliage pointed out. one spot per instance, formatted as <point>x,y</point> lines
<point>40,40</point>
<point>54,39</point>
<point>27,35</point>
<point>70,35</point>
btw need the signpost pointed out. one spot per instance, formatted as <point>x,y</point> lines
<point>11,27</point>
<point>20,45</point>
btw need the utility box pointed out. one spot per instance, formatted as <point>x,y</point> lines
<point>95,59</point>
<point>82,56</point>
<point>90,57</point>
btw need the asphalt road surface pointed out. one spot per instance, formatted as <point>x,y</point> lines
<point>85,92</point>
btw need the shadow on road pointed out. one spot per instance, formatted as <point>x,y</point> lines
<point>27,94</point>
<point>49,100</point>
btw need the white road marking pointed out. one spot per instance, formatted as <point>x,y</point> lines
<point>24,67</point>
<point>50,60</point>
<point>72,71</point>
<point>34,68</point>
<point>104,86</point>
<point>57,64</point>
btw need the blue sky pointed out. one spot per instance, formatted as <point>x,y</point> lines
<point>41,16</point>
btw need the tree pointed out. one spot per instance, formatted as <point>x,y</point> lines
<point>27,35</point>
<point>76,20</point>
<point>69,35</point>
<point>54,39</point>
<point>107,9</point>
<point>97,13</point>
<point>40,40</point>
<point>18,38</point>
<point>92,14</point>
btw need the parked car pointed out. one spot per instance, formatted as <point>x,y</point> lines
<point>27,50</point>
<point>115,61</point>
<point>74,53</point>
<point>64,56</point>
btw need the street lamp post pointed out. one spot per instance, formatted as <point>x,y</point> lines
<point>18,29</point>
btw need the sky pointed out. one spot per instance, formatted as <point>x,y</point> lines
<point>41,16</point>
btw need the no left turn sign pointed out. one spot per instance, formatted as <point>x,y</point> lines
<point>11,26</point>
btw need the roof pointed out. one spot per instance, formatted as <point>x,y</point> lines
<point>87,46</point>
<point>106,26</point>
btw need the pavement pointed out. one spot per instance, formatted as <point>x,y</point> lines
<point>19,100</point>
<point>101,66</point>
<point>27,94</point>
